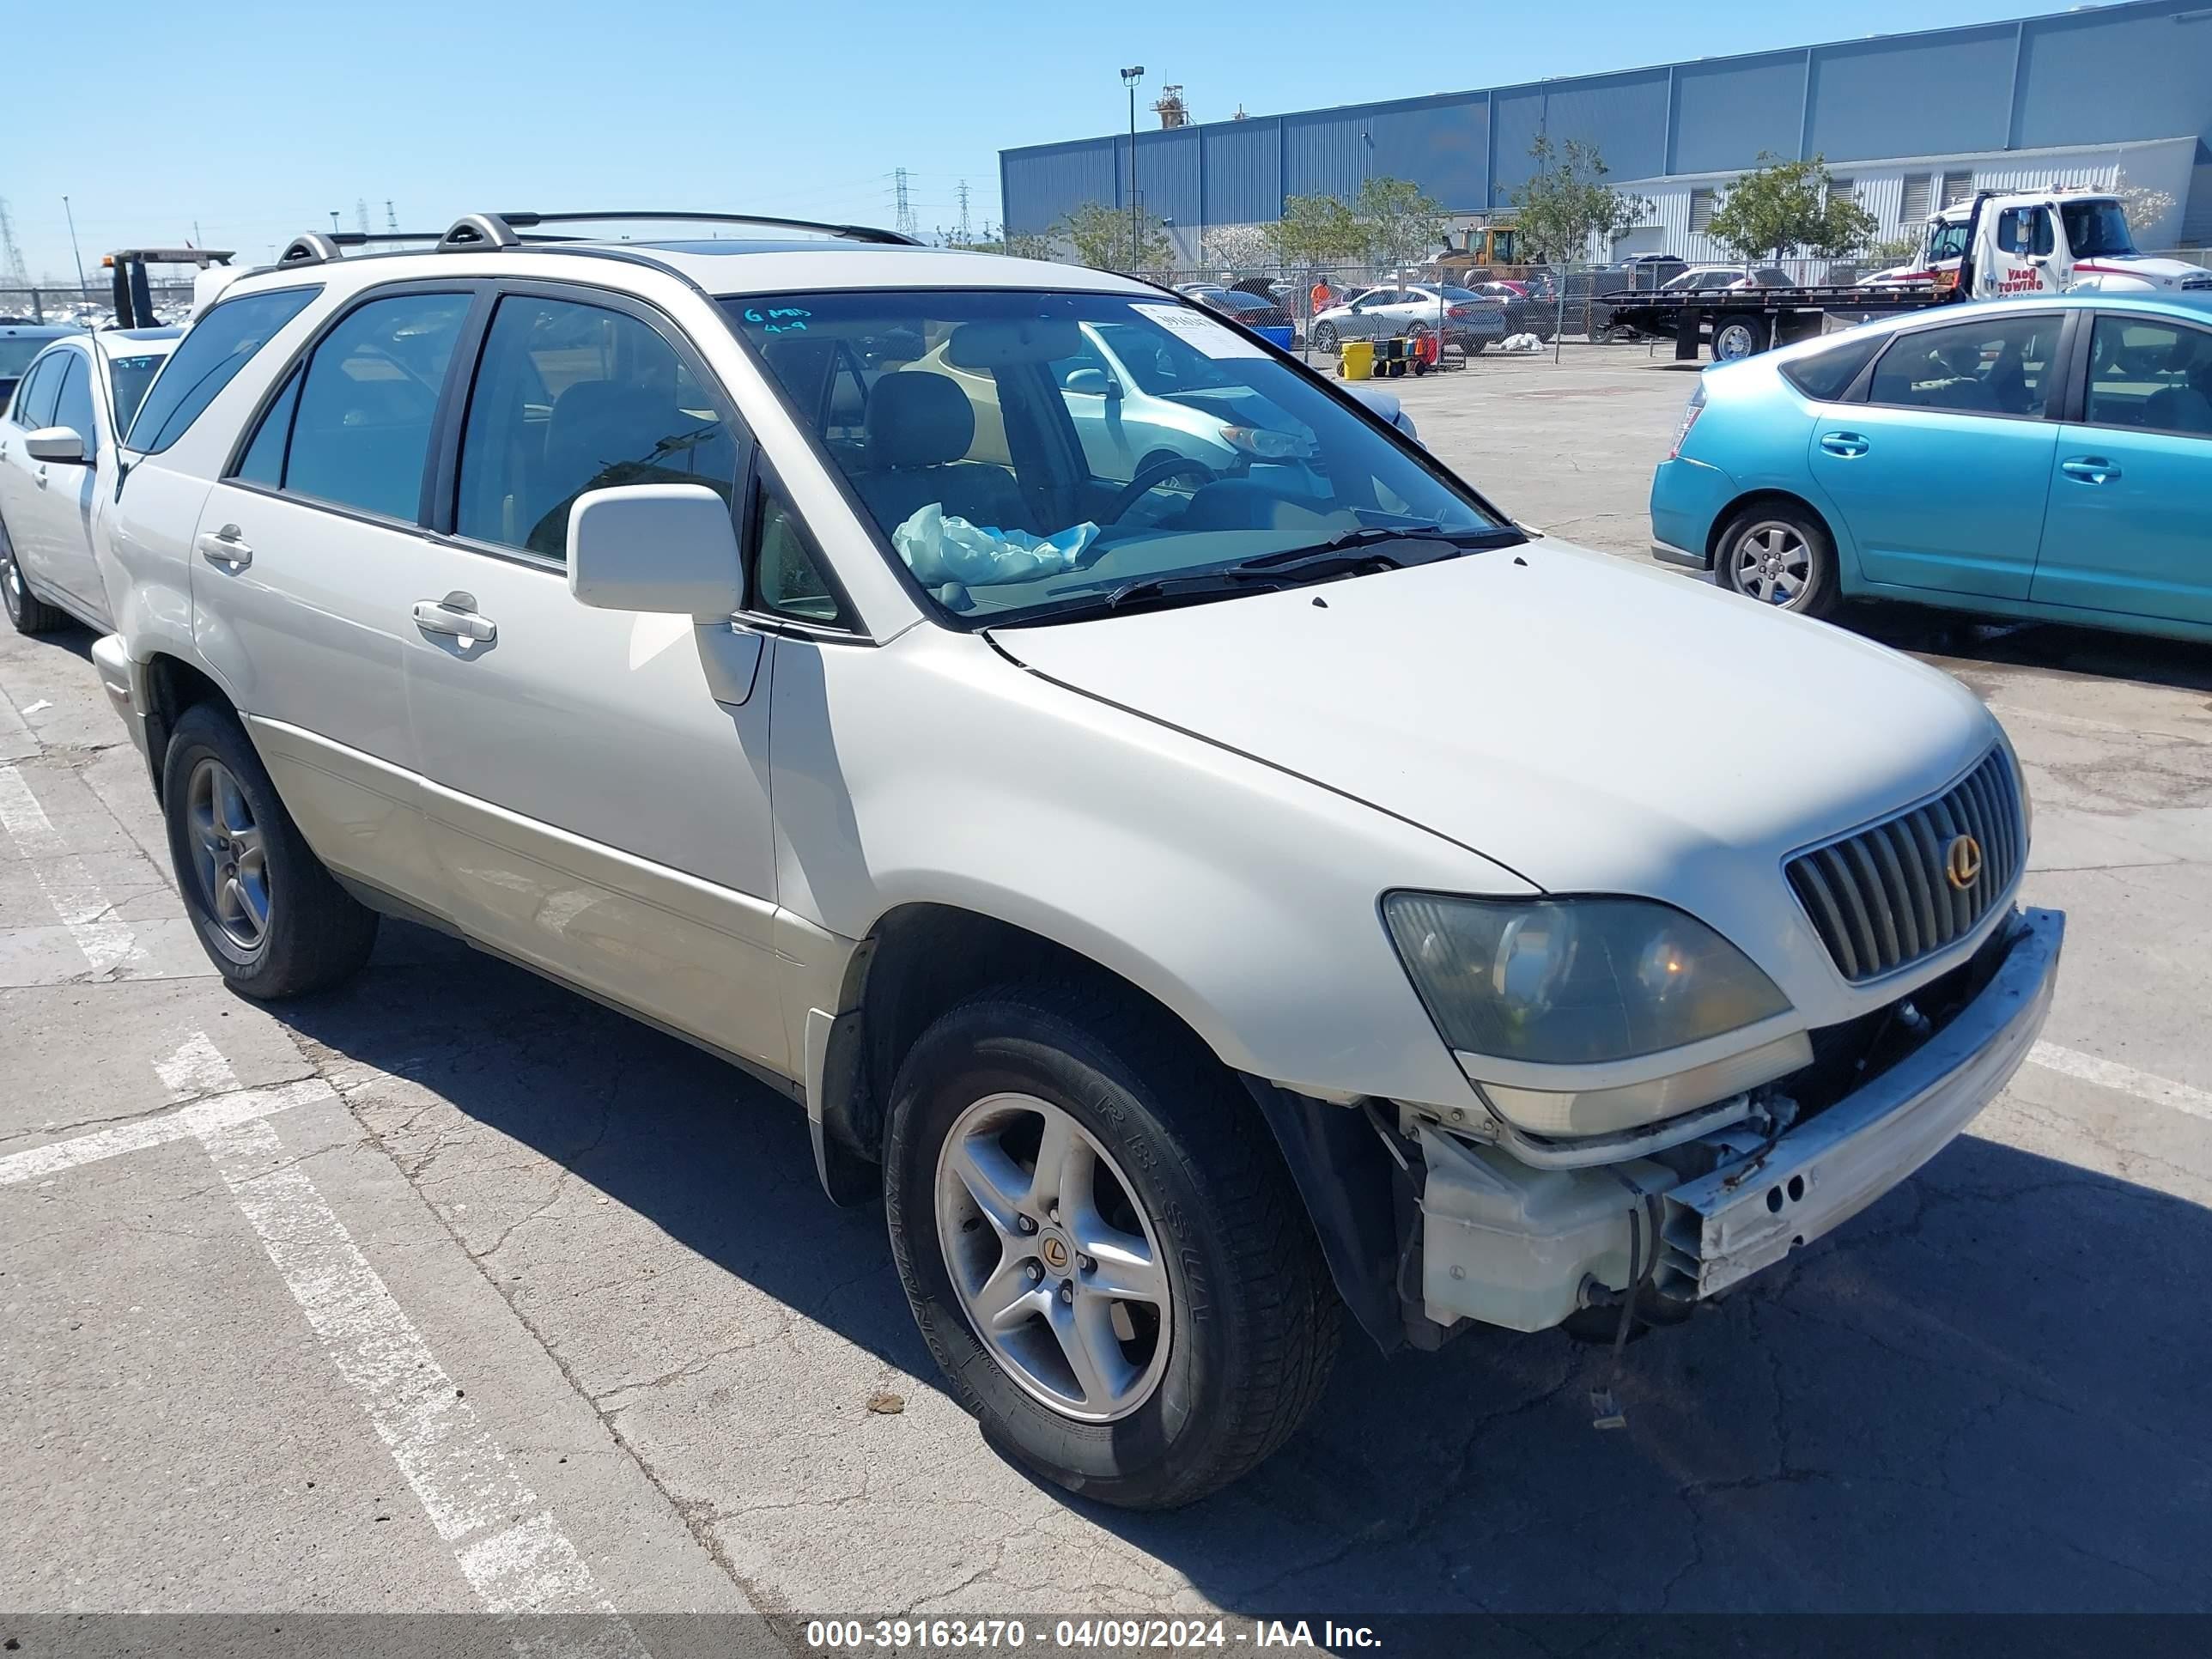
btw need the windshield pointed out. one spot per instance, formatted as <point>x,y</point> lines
<point>2097,230</point>
<point>1024,452</point>
<point>128,379</point>
<point>1947,241</point>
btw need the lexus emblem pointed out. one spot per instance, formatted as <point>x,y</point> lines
<point>1962,862</point>
<point>1054,1254</point>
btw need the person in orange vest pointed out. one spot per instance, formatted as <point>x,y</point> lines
<point>1323,296</point>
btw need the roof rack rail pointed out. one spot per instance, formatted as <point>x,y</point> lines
<point>481,230</point>
<point>319,246</point>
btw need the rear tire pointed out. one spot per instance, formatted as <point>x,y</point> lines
<point>1200,1391</point>
<point>271,918</point>
<point>1780,556</point>
<point>27,612</point>
<point>1324,337</point>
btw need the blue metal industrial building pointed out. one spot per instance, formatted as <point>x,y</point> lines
<point>2119,93</point>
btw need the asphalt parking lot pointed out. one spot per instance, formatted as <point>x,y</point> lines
<point>454,1291</point>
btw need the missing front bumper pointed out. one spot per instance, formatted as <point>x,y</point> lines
<point>1510,1245</point>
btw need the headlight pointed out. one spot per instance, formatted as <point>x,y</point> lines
<point>1267,445</point>
<point>1587,981</point>
<point>1578,981</point>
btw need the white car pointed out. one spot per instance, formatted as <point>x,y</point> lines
<point>1193,912</point>
<point>1468,320</point>
<point>58,468</point>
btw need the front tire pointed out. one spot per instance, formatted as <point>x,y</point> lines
<point>1781,557</point>
<point>1324,337</point>
<point>274,922</point>
<point>27,612</point>
<point>1101,1247</point>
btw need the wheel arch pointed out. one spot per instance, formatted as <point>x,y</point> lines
<point>1765,496</point>
<point>922,959</point>
<point>172,685</point>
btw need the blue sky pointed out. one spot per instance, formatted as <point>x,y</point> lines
<point>255,119</point>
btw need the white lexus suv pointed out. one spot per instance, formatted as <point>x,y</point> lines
<point>1201,899</point>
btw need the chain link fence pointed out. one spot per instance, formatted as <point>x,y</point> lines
<point>92,306</point>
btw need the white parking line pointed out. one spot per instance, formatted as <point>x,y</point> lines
<point>2110,1074</point>
<point>106,942</point>
<point>511,1550</point>
<point>201,1118</point>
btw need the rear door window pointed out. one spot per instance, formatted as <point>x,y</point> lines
<point>208,359</point>
<point>368,401</point>
<point>1992,367</point>
<point>34,399</point>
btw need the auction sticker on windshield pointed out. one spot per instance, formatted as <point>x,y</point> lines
<point>1200,331</point>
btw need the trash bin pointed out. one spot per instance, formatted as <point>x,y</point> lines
<point>1356,360</point>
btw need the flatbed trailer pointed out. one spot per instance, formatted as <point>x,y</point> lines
<point>1744,320</point>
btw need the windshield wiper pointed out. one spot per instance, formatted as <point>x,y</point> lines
<point>1446,545</point>
<point>1352,553</point>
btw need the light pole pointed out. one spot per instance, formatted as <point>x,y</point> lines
<point>1129,79</point>
<point>71,213</point>
<point>334,222</point>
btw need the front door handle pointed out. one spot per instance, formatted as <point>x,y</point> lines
<point>2089,469</point>
<point>39,477</point>
<point>455,616</point>
<point>1849,444</point>
<point>223,547</point>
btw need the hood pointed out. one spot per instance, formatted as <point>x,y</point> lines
<point>2166,273</point>
<point>1593,724</point>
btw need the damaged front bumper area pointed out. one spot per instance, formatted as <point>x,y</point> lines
<point>1506,1243</point>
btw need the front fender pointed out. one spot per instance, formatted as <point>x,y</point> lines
<point>1243,898</point>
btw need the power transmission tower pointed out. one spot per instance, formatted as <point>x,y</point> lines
<point>361,213</point>
<point>964,237</point>
<point>391,219</point>
<point>905,224</point>
<point>11,257</point>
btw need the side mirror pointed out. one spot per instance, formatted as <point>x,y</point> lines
<point>56,443</point>
<point>1093,381</point>
<point>669,549</point>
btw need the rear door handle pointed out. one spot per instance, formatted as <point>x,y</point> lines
<point>2089,469</point>
<point>455,616</point>
<point>1849,444</point>
<point>223,547</point>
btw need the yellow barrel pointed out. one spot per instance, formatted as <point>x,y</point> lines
<point>1357,362</point>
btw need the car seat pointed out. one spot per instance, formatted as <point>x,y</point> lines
<point>918,426</point>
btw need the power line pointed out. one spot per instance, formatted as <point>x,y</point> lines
<point>964,236</point>
<point>11,257</point>
<point>390,218</point>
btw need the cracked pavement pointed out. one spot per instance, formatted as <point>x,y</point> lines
<point>1981,1395</point>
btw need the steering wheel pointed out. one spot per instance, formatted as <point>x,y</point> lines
<point>1149,478</point>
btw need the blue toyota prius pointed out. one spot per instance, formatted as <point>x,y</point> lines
<point>2046,458</point>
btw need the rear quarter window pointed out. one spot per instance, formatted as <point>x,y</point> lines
<point>208,359</point>
<point>1823,376</point>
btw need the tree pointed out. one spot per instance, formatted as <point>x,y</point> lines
<point>1565,203</point>
<point>1400,224</point>
<point>2144,206</point>
<point>1788,207</point>
<point>1237,247</point>
<point>1315,230</point>
<point>1891,251</point>
<point>1024,244</point>
<point>1100,237</point>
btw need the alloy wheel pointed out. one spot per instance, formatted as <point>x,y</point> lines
<point>1058,1270</point>
<point>11,580</point>
<point>1774,564</point>
<point>1734,340</point>
<point>229,855</point>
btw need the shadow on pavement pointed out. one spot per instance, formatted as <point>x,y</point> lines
<point>1984,1393</point>
<point>1961,644</point>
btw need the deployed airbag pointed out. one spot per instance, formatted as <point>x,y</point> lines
<point>939,547</point>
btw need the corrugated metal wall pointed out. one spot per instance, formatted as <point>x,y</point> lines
<point>1727,113</point>
<point>2121,73</point>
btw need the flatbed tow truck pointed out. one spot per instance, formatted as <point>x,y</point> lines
<point>2046,241</point>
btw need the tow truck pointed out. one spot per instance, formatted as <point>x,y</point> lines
<point>2053,241</point>
<point>132,288</point>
